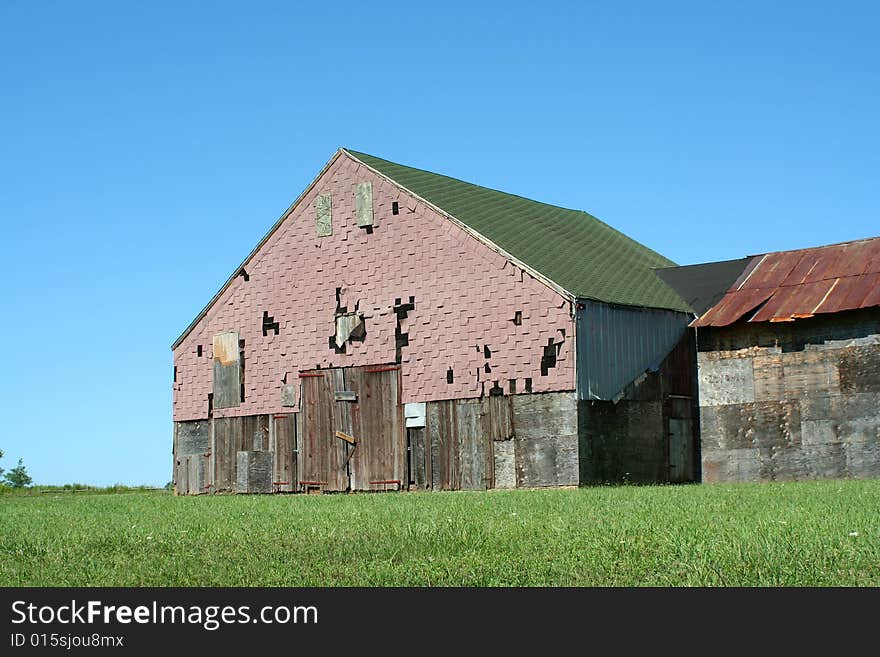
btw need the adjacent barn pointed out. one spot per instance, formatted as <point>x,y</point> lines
<point>400,329</point>
<point>789,362</point>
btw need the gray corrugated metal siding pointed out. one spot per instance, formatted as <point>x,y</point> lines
<point>616,344</point>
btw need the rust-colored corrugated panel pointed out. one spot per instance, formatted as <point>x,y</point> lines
<point>774,270</point>
<point>849,293</point>
<point>856,259</point>
<point>795,300</point>
<point>826,264</point>
<point>873,298</point>
<point>797,284</point>
<point>733,306</point>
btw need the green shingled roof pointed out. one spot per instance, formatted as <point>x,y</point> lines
<point>573,249</point>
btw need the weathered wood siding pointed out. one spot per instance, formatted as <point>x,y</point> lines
<point>420,459</point>
<point>455,450</point>
<point>803,404</point>
<point>190,475</point>
<point>254,471</point>
<point>192,453</point>
<point>284,434</point>
<point>466,444</point>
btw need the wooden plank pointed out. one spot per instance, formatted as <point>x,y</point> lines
<point>227,371</point>
<point>273,447</point>
<point>297,449</point>
<point>322,455</point>
<point>285,478</point>
<point>241,472</point>
<point>471,444</point>
<point>181,475</point>
<point>342,423</point>
<point>441,432</point>
<point>255,433</point>
<point>344,436</point>
<point>288,394</point>
<point>680,450</point>
<point>420,459</point>
<point>174,456</point>
<point>377,423</point>
<point>348,325</point>
<point>190,474</point>
<point>227,442</point>
<point>364,204</point>
<point>192,437</point>
<point>432,443</point>
<point>498,424</point>
<point>324,215</point>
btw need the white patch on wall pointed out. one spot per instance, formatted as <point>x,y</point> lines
<point>414,414</point>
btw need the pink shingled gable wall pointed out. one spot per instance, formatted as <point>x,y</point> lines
<point>466,296</point>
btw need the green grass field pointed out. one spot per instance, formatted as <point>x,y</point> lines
<point>793,534</point>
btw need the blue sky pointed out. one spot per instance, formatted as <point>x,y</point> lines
<point>147,147</point>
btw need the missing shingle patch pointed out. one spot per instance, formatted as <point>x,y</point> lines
<point>269,323</point>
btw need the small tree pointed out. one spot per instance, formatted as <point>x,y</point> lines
<point>1,469</point>
<point>18,476</point>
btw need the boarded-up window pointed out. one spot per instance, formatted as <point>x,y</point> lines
<point>323,215</point>
<point>364,198</point>
<point>349,326</point>
<point>227,370</point>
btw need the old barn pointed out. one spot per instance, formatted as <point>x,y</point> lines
<point>789,362</point>
<point>400,329</point>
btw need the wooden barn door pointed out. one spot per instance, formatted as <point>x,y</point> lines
<point>322,456</point>
<point>352,434</point>
<point>379,459</point>
<point>681,441</point>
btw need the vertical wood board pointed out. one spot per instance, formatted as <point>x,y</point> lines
<point>323,215</point>
<point>227,371</point>
<point>364,202</point>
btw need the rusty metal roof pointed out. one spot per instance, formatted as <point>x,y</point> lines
<point>789,285</point>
